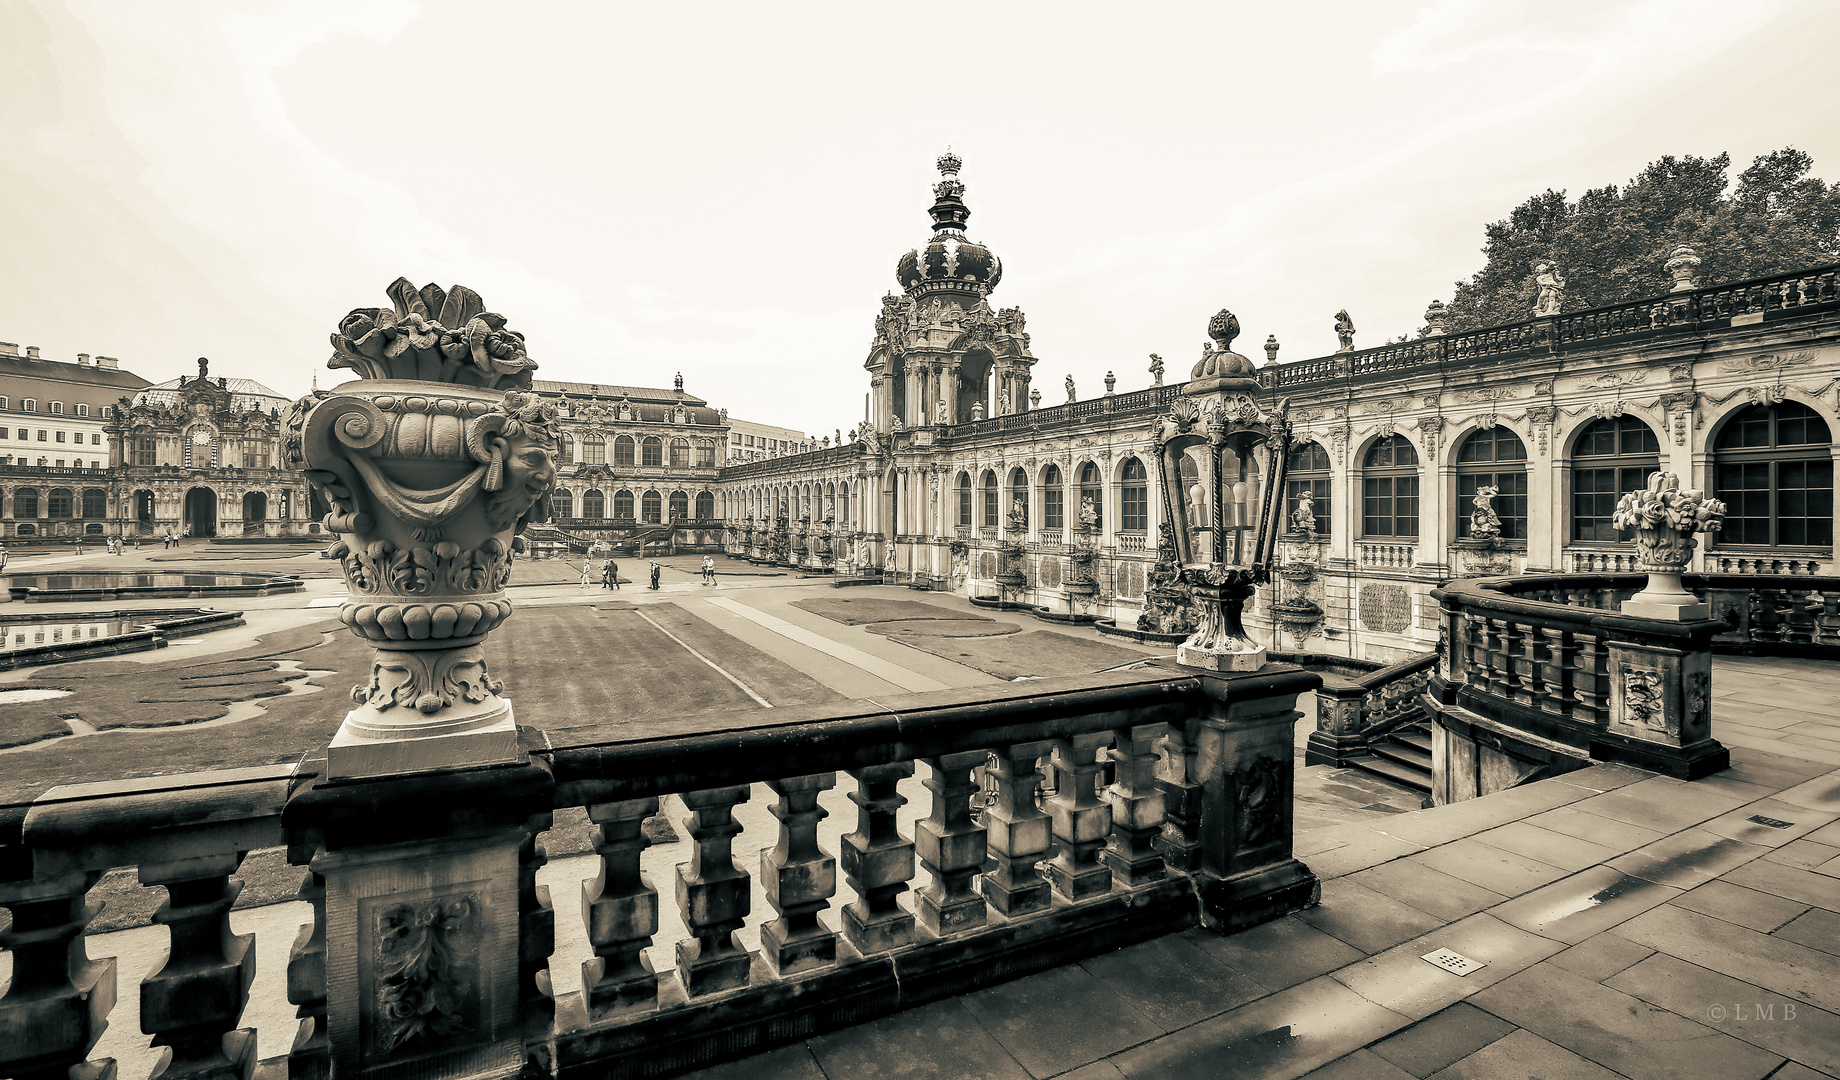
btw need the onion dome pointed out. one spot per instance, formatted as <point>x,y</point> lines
<point>949,262</point>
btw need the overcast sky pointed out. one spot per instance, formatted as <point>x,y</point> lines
<point>723,189</point>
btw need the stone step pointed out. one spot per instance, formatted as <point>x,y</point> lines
<point>1389,769</point>
<point>1404,753</point>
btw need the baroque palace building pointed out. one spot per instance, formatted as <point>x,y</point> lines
<point>962,482</point>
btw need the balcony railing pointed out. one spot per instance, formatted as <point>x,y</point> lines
<point>430,940</point>
<point>1802,293</point>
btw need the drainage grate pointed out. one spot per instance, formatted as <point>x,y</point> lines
<point>1771,822</point>
<point>1454,962</point>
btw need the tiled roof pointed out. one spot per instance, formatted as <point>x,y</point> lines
<point>610,392</point>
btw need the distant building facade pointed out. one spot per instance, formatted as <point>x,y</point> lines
<point>751,441</point>
<point>636,458</point>
<point>200,457</point>
<point>1549,421</point>
<point>55,444</point>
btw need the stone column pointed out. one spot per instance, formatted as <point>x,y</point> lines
<point>950,378</point>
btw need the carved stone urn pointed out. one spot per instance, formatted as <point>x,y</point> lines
<point>1665,517</point>
<point>433,461</point>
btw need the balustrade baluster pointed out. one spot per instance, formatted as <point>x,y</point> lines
<point>193,1002</point>
<point>620,907</point>
<point>1591,679</point>
<point>1799,624</point>
<point>311,1056</point>
<point>58,1002</point>
<point>536,927</point>
<point>1018,830</point>
<point>1827,623</point>
<point>1769,616</point>
<point>951,846</point>
<point>1081,822</point>
<point>800,879</point>
<point>712,894</point>
<point>878,862</point>
<point>1137,807</point>
<point>1180,839</point>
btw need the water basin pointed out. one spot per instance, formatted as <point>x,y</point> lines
<point>50,588</point>
<point>27,640</point>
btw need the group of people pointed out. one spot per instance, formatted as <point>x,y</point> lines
<point>610,572</point>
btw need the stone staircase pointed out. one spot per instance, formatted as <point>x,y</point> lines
<point>1402,757</point>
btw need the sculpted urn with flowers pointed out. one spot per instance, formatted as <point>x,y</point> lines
<point>1665,516</point>
<point>433,460</point>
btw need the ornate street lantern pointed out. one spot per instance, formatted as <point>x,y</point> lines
<point>1221,458</point>
<point>433,460</point>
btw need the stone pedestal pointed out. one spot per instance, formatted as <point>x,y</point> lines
<point>1661,706</point>
<point>1245,760</point>
<point>1220,643</point>
<point>1665,598</point>
<point>423,917</point>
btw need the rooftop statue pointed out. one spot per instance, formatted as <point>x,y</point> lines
<point>1551,288</point>
<point>1344,332</point>
<point>1156,369</point>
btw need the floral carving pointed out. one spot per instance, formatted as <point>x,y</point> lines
<point>1263,794</point>
<point>1642,697</point>
<point>1665,517</point>
<point>432,335</point>
<point>426,974</point>
<point>429,680</point>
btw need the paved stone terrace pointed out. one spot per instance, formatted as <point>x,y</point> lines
<point>1632,926</point>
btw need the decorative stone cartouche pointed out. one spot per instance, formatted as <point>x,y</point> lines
<point>433,461</point>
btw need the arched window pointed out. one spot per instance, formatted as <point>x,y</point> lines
<point>58,504</point>
<point>964,499</point>
<point>1612,457</point>
<point>680,453</point>
<point>1018,498</point>
<point>845,512</point>
<point>95,503</point>
<point>680,506</point>
<point>1092,493</point>
<point>1053,499</point>
<point>623,505</point>
<point>1775,472</point>
<point>1133,497</point>
<point>25,503</point>
<point>623,450</point>
<point>565,450</point>
<point>561,503</point>
<point>1309,471</point>
<point>1494,457</point>
<point>992,514</point>
<point>593,505</point>
<point>593,450</point>
<point>651,451</point>
<point>705,506</point>
<point>1389,489</point>
<point>651,505</point>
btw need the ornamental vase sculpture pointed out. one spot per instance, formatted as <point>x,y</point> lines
<point>433,461</point>
<point>1665,517</point>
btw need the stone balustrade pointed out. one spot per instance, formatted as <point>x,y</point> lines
<point>1539,676</point>
<point>431,941</point>
<point>1353,711</point>
<point>1391,556</point>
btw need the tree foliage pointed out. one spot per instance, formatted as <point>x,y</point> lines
<point>1611,244</point>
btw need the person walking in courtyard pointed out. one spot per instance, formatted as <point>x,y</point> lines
<point>655,571</point>
<point>587,571</point>
<point>709,569</point>
<point>610,575</point>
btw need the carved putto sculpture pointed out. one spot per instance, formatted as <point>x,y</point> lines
<point>1303,519</point>
<point>1071,398</point>
<point>1003,403</point>
<point>1156,369</point>
<point>940,413</point>
<point>1484,522</point>
<point>1551,288</point>
<point>1344,332</point>
<point>1089,517</point>
<point>1018,515</point>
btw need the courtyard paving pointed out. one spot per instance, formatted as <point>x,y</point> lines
<point>1631,925</point>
